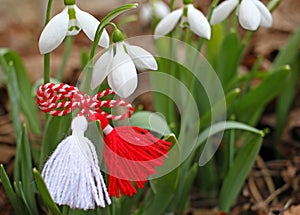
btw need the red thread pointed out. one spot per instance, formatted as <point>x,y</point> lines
<point>61,99</point>
<point>131,153</point>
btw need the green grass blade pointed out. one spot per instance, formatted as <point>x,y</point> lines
<point>52,207</point>
<point>255,100</point>
<point>228,61</point>
<point>214,44</point>
<point>26,207</point>
<point>22,85</point>
<point>24,160</point>
<point>208,151</point>
<point>163,187</point>
<point>186,188</point>
<point>289,54</point>
<point>218,108</point>
<point>225,125</point>
<point>9,190</point>
<point>238,172</point>
<point>22,204</point>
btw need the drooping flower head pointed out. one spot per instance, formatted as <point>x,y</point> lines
<point>69,22</point>
<point>119,64</point>
<point>251,13</point>
<point>153,9</point>
<point>190,17</point>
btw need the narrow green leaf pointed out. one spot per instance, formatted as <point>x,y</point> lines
<point>9,190</point>
<point>225,125</point>
<point>22,85</point>
<point>214,44</point>
<point>24,165</point>
<point>289,54</point>
<point>255,100</point>
<point>150,121</point>
<point>186,188</point>
<point>52,207</point>
<point>163,187</point>
<point>218,108</point>
<point>26,207</point>
<point>22,204</point>
<point>228,62</point>
<point>238,172</point>
<point>273,4</point>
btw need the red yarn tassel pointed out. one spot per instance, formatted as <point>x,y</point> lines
<point>131,155</point>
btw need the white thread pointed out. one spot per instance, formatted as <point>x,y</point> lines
<point>107,129</point>
<point>72,173</point>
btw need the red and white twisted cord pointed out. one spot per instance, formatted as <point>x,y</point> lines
<point>61,99</point>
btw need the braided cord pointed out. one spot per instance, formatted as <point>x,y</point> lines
<point>61,99</point>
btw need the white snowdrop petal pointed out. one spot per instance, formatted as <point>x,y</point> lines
<point>160,9</point>
<point>198,22</point>
<point>145,13</point>
<point>123,78</point>
<point>265,15</point>
<point>54,32</point>
<point>89,25</point>
<point>222,11</point>
<point>102,68</point>
<point>249,16</point>
<point>167,24</point>
<point>141,58</point>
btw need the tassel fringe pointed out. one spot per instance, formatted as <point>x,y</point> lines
<point>131,155</point>
<point>72,174</point>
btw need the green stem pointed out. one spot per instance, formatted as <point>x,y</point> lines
<point>105,21</point>
<point>172,3</point>
<point>211,10</point>
<point>47,68</point>
<point>68,46</point>
<point>47,56</point>
<point>65,210</point>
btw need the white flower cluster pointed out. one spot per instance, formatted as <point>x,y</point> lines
<point>120,60</point>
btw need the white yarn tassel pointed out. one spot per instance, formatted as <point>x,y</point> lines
<point>72,173</point>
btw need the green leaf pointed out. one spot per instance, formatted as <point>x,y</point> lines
<point>289,54</point>
<point>9,190</point>
<point>23,165</point>
<point>12,63</point>
<point>185,188</point>
<point>55,131</point>
<point>207,154</point>
<point>218,107</point>
<point>214,44</point>
<point>163,187</point>
<point>225,125</point>
<point>26,205</point>
<point>228,61</point>
<point>150,121</point>
<point>238,172</point>
<point>252,103</point>
<point>52,207</point>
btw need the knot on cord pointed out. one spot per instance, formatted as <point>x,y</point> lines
<point>61,99</point>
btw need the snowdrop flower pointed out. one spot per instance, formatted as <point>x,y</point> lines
<point>119,64</point>
<point>251,13</point>
<point>156,8</point>
<point>69,22</point>
<point>190,17</point>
